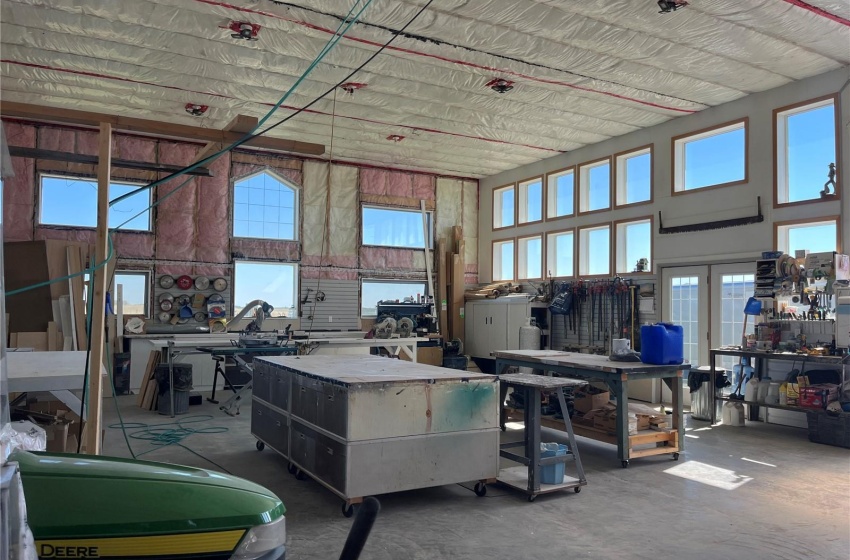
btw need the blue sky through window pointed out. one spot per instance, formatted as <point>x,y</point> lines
<point>274,283</point>
<point>382,290</point>
<point>599,251</point>
<point>263,207</point>
<point>135,292</point>
<point>816,238</point>
<point>810,150</point>
<point>532,250</point>
<point>390,227</point>
<point>560,257</point>
<point>72,201</point>
<point>533,201</point>
<point>507,215</point>
<point>599,187</point>
<point>563,193</point>
<point>638,240</point>
<point>638,170</point>
<point>714,160</point>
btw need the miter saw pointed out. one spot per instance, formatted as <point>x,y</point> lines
<point>404,319</point>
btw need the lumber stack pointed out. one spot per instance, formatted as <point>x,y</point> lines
<point>492,291</point>
<point>148,391</point>
<point>451,267</point>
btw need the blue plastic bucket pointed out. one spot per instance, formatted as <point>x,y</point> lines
<point>662,344</point>
<point>553,474</point>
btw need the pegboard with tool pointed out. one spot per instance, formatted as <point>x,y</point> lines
<point>197,300</point>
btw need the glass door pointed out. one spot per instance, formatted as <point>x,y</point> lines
<point>731,286</point>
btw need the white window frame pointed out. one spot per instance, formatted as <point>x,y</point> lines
<point>552,256</point>
<point>522,258</point>
<point>416,211</point>
<point>679,163</point>
<point>584,185</point>
<point>584,249</point>
<point>130,272</point>
<point>296,205</point>
<point>363,281</point>
<point>622,246</point>
<point>781,149</point>
<point>497,259</point>
<point>783,229</point>
<point>523,201</point>
<point>621,176</point>
<point>296,285</point>
<point>552,193</point>
<point>43,176</point>
<point>497,207</point>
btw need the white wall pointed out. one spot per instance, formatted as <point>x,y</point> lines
<point>695,207</point>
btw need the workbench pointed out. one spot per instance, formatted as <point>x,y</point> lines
<point>528,479</point>
<point>368,425</point>
<point>616,375</point>
<point>57,373</point>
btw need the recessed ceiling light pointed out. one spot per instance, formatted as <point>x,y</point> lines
<point>500,85</point>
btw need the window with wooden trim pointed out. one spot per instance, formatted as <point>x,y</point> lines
<point>710,158</point>
<point>560,195</point>
<point>819,236</point>
<point>560,254</point>
<point>265,206</point>
<point>805,147</point>
<point>594,181</point>
<point>634,176</point>
<point>504,207</point>
<point>503,260</point>
<point>594,255</point>
<point>530,257</point>
<point>530,208</point>
<point>72,201</point>
<point>634,244</point>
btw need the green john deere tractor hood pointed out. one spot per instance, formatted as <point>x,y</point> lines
<point>86,497</point>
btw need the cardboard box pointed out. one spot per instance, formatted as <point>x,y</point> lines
<point>818,396</point>
<point>590,398</point>
<point>63,429</point>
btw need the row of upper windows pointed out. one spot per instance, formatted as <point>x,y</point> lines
<point>805,146</point>
<point>265,206</point>
<point>589,249</point>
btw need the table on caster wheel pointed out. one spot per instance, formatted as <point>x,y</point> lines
<point>528,478</point>
<point>667,441</point>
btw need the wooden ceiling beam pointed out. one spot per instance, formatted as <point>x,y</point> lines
<point>52,155</point>
<point>240,125</point>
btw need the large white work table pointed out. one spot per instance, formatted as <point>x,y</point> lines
<point>617,376</point>
<point>57,373</point>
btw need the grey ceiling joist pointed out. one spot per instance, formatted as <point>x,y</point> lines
<point>37,153</point>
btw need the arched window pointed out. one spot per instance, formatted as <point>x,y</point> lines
<point>265,206</point>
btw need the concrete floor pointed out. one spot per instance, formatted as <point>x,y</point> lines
<point>762,491</point>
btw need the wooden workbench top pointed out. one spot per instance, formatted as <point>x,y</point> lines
<point>583,361</point>
<point>539,381</point>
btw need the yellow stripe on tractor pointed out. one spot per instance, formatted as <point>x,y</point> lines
<point>161,545</point>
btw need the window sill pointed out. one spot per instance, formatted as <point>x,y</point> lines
<point>430,248</point>
<point>90,228</point>
<point>743,181</point>
<point>265,239</point>
<point>522,224</point>
<point>832,198</point>
<point>556,218</point>
<point>633,204</point>
<point>589,212</point>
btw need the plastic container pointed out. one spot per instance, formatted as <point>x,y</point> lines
<point>741,374</point>
<point>772,393</point>
<point>662,344</point>
<point>764,385</point>
<point>733,414</point>
<point>552,474</point>
<point>783,394</point>
<point>701,402</point>
<point>181,402</point>
<point>752,392</point>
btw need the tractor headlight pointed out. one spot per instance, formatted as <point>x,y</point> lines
<point>263,542</point>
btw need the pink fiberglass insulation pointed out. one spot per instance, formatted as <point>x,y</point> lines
<point>266,249</point>
<point>175,220</point>
<point>174,270</point>
<point>379,258</point>
<point>134,245</point>
<point>88,143</point>
<point>424,187</point>
<point>397,183</point>
<point>211,272</point>
<point>57,139</point>
<point>175,233</point>
<point>213,240</point>
<point>87,236</point>
<point>133,148</point>
<point>239,170</point>
<point>19,134</point>
<point>330,260</point>
<point>470,279</point>
<point>19,191</point>
<point>313,273</point>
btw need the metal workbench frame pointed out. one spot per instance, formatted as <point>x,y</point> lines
<point>616,375</point>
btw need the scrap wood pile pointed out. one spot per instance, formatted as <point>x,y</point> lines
<point>491,291</point>
<point>149,389</point>
<point>451,267</point>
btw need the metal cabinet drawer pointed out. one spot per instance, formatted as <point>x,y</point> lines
<point>270,426</point>
<point>305,398</point>
<point>332,412</point>
<point>261,384</point>
<point>319,455</point>
<point>279,389</point>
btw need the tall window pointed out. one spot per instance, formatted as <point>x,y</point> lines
<point>72,201</point>
<point>530,257</point>
<point>135,290</point>
<point>634,243</point>
<point>819,236</point>
<point>594,253</point>
<point>805,147</point>
<point>395,227</point>
<point>504,207</point>
<point>710,158</point>
<point>560,196</point>
<point>503,260</point>
<point>594,181</point>
<point>373,291</point>
<point>684,310</point>
<point>274,283</point>
<point>633,174</point>
<point>530,201</point>
<point>560,253</point>
<point>265,206</point>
